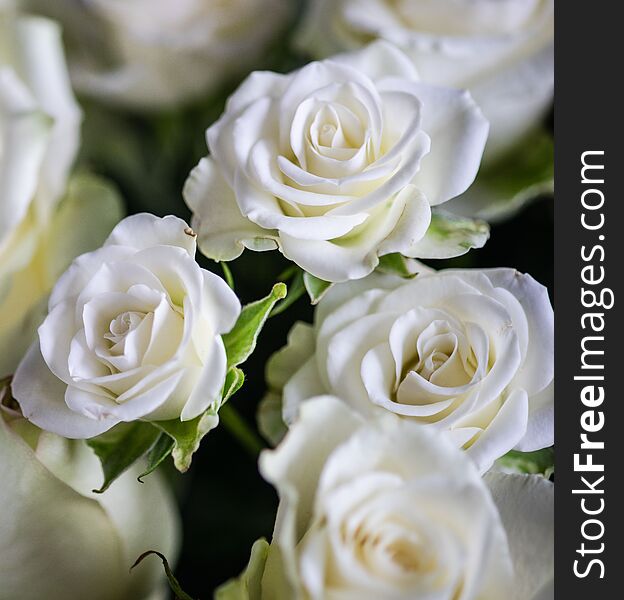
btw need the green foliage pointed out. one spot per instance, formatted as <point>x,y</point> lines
<point>450,235</point>
<point>120,447</point>
<point>158,453</point>
<point>540,462</point>
<point>179,593</point>
<point>396,264</point>
<point>233,382</point>
<point>315,287</point>
<point>187,436</point>
<point>241,341</point>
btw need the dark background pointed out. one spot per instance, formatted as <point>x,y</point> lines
<point>225,503</point>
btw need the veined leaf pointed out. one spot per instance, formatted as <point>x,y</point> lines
<point>159,451</point>
<point>241,341</point>
<point>120,447</point>
<point>315,287</point>
<point>540,462</point>
<point>396,264</point>
<point>450,235</point>
<point>233,382</point>
<point>187,435</point>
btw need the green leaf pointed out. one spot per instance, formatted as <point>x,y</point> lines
<point>505,186</point>
<point>159,451</point>
<point>241,341</point>
<point>120,447</point>
<point>540,462</point>
<point>315,287</point>
<point>233,382</point>
<point>396,264</point>
<point>179,593</point>
<point>450,235</point>
<point>187,436</point>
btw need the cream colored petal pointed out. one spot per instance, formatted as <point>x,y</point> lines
<point>52,539</point>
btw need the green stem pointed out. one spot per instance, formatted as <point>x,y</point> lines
<point>241,430</point>
<point>227,274</point>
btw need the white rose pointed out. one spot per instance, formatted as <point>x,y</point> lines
<point>501,51</point>
<point>39,132</point>
<point>133,332</point>
<point>58,540</point>
<point>44,223</point>
<point>335,164</point>
<point>390,510</point>
<point>159,53</point>
<point>467,352</point>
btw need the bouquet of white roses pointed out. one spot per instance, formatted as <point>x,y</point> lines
<point>391,381</point>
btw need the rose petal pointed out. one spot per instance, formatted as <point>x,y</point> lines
<point>223,232</point>
<point>42,399</point>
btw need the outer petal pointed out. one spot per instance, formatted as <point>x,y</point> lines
<point>352,257</point>
<point>540,428</point>
<point>223,232</point>
<point>341,293</point>
<point>303,385</point>
<point>412,225</point>
<point>25,130</point>
<point>538,368</point>
<point>144,230</point>
<point>224,306</point>
<point>257,85</point>
<point>82,221</point>
<point>458,131</point>
<point>209,386</point>
<point>52,539</point>
<point>328,423</point>
<point>515,99</point>
<point>44,68</point>
<point>144,516</point>
<point>42,399</point>
<point>501,434</point>
<point>287,361</point>
<point>380,60</point>
<point>526,506</point>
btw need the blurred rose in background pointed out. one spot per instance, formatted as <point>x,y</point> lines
<point>46,216</point>
<point>158,53</point>
<point>59,540</point>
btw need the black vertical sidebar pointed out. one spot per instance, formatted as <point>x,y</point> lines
<point>589,300</point>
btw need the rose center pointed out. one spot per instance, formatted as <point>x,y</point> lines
<point>411,557</point>
<point>406,549</point>
<point>327,134</point>
<point>443,356</point>
<point>122,325</point>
